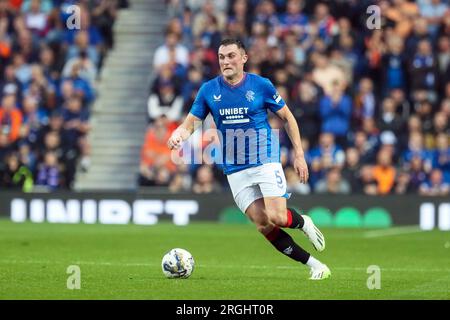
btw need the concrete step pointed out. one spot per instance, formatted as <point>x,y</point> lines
<point>119,127</point>
<point>122,118</point>
<point>111,185</point>
<point>145,54</point>
<point>105,75</point>
<point>137,45</point>
<point>123,85</point>
<point>134,136</point>
<point>119,115</point>
<point>119,145</point>
<point>117,150</point>
<point>147,19</point>
<point>115,162</point>
<point>142,65</point>
<point>124,36</point>
<point>121,108</point>
<point>105,101</point>
<point>124,95</point>
<point>104,176</point>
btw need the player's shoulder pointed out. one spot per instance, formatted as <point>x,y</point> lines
<point>214,82</point>
<point>256,78</point>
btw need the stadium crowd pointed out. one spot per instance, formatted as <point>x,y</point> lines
<point>373,104</point>
<point>48,72</point>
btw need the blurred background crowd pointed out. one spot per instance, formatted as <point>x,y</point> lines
<point>372,104</point>
<point>48,75</point>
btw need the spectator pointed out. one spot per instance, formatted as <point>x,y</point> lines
<point>403,184</point>
<point>435,186</point>
<point>10,117</point>
<point>433,11</point>
<point>417,172</point>
<point>9,84</point>
<point>334,183</point>
<point>82,49</point>
<point>76,122</point>
<point>154,152</point>
<point>335,113</point>
<point>35,18</point>
<point>166,103</point>
<point>441,155</point>
<point>394,64</point>
<point>423,68</point>
<point>171,45</point>
<point>48,172</point>
<point>367,182</point>
<point>33,119</point>
<point>416,149</point>
<point>305,111</point>
<point>326,155</point>
<point>384,172</point>
<point>365,101</point>
<point>389,120</point>
<point>104,15</point>
<point>182,181</point>
<point>350,171</point>
<point>205,181</point>
<point>10,171</point>
<point>329,77</point>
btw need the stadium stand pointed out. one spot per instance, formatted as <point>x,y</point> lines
<point>373,106</point>
<point>49,75</point>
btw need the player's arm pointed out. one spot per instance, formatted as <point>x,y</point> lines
<point>290,124</point>
<point>184,131</point>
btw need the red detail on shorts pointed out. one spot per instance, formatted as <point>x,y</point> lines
<point>272,235</point>
<point>289,218</point>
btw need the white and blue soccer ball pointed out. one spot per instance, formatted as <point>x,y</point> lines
<point>178,263</point>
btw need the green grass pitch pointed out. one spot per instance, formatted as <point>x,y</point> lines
<point>232,262</point>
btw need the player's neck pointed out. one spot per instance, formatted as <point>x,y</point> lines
<point>234,81</point>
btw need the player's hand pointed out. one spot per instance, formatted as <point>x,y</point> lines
<point>174,142</point>
<point>301,168</point>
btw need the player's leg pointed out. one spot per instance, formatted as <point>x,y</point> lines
<point>272,183</point>
<point>280,216</point>
<point>285,217</point>
<point>282,241</point>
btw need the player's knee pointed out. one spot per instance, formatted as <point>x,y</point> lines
<point>278,217</point>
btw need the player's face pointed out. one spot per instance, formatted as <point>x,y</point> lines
<point>231,61</point>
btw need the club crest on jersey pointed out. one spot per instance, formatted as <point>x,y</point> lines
<point>250,95</point>
<point>217,98</point>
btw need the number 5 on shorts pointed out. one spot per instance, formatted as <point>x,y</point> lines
<point>279,179</point>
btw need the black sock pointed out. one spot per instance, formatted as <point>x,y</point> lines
<point>286,245</point>
<point>295,220</point>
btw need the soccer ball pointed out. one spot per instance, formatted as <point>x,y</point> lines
<point>177,263</point>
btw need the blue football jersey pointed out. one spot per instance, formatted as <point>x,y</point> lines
<point>240,114</point>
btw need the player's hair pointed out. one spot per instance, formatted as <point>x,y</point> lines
<point>230,41</point>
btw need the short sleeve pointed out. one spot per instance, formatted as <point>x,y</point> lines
<point>199,107</point>
<point>272,98</point>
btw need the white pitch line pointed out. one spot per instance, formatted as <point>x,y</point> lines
<point>220,266</point>
<point>392,232</point>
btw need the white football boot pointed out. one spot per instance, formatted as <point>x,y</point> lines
<point>320,273</point>
<point>313,233</point>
